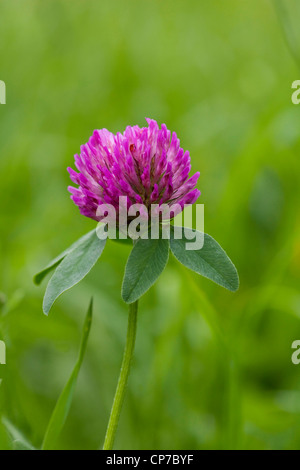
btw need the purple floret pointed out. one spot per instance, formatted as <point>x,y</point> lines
<point>146,165</point>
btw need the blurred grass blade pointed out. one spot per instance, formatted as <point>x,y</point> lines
<point>288,17</point>
<point>56,261</point>
<point>63,404</point>
<point>5,438</point>
<point>210,261</point>
<point>19,441</point>
<point>73,268</point>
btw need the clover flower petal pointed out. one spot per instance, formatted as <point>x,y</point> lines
<point>146,165</point>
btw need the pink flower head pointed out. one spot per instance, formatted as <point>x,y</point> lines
<point>146,165</point>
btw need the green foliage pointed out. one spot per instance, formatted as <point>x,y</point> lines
<point>145,264</point>
<point>210,261</point>
<point>19,441</point>
<point>73,268</point>
<point>220,75</point>
<point>62,408</point>
<point>63,404</point>
<point>56,261</point>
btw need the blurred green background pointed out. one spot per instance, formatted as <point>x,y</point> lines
<point>212,369</point>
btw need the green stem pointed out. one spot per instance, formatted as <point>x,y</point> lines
<point>123,378</point>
